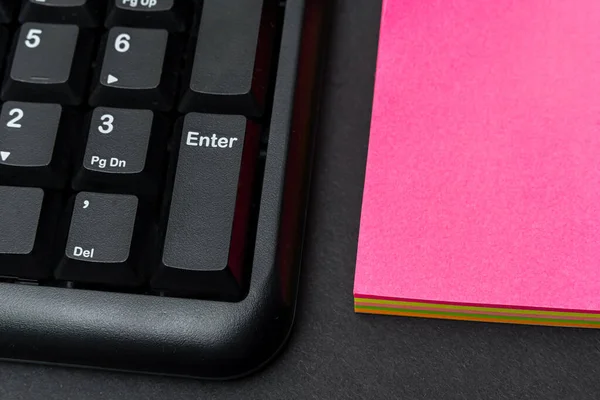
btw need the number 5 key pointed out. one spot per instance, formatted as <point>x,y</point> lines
<point>49,63</point>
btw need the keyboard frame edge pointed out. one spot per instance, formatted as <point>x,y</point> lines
<point>198,338</point>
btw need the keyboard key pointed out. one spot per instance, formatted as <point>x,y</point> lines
<point>205,239</point>
<point>103,243</point>
<point>231,59</point>
<point>7,10</point>
<point>124,152</point>
<point>34,139</point>
<point>83,13</point>
<point>137,70</point>
<point>171,15</point>
<point>28,223</point>
<point>50,64</point>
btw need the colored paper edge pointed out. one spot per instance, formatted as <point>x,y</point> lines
<point>485,318</point>
<point>407,304</point>
<point>475,313</point>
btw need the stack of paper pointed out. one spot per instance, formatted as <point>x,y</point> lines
<point>482,194</point>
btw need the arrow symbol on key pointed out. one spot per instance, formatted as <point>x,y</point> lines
<point>111,79</point>
<point>4,155</point>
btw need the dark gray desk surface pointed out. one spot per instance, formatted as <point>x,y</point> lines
<point>333,352</point>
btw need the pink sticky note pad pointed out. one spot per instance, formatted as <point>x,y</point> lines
<point>483,174</point>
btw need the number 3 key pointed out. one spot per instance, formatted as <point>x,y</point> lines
<point>123,152</point>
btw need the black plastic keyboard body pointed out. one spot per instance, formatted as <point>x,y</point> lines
<point>155,159</point>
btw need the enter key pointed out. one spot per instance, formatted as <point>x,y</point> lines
<point>204,253</point>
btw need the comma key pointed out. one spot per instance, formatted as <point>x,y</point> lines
<point>105,240</point>
<point>203,252</point>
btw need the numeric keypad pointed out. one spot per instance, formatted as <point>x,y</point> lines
<point>92,110</point>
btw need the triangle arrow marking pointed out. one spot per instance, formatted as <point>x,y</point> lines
<point>4,155</point>
<point>111,79</point>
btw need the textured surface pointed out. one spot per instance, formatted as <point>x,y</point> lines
<point>482,180</point>
<point>335,354</point>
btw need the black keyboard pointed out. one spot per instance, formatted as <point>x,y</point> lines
<point>154,170</point>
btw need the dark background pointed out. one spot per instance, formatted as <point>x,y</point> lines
<point>333,353</point>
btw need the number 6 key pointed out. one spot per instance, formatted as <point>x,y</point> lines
<point>136,67</point>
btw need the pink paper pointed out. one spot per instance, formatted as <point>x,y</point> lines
<point>483,175</point>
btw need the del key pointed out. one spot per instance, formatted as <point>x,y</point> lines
<point>104,241</point>
<point>207,226</point>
